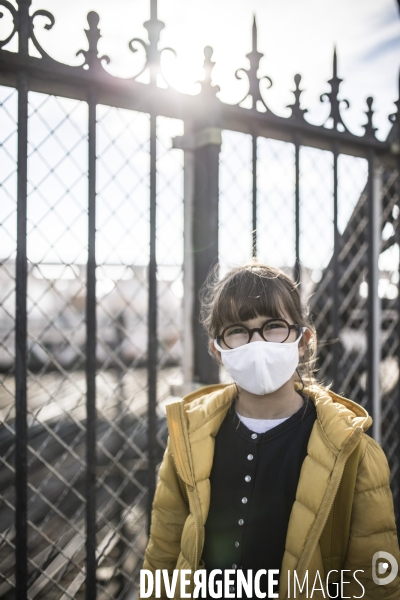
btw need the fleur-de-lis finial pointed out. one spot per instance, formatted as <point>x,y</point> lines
<point>332,97</point>
<point>92,59</point>
<point>153,55</point>
<point>369,127</point>
<point>297,111</point>
<point>154,28</point>
<point>254,82</point>
<point>206,85</point>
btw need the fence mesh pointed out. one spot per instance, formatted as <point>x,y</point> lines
<point>169,240</point>
<point>235,200</point>
<point>276,236</point>
<point>352,267</point>
<point>122,249</point>
<point>316,246</point>
<point>57,255</point>
<point>388,291</point>
<point>57,252</point>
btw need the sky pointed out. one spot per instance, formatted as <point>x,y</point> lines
<point>296,36</point>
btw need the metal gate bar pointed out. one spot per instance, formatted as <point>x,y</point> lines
<point>152,323</point>
<point>335,277</point>
<point>297,265</point>
<point>91,343</point>
<point>254,193</point>
<point>374,325</point>
<point>21,428</point>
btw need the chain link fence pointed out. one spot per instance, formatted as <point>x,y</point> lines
<point>388,291</point>
<point>57,255</point>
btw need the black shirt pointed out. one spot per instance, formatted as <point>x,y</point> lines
<point>254,480</point>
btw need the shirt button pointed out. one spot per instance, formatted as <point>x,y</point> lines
<point>250,457</point>
<point>253,436</point>
<point>232,588</point>
<point>234,566</point>
<point>236,544</point>
<point>244,500</point>
<point>247,478</point>
<point>240,521</point>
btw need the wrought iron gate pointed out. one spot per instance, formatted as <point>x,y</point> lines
<point>107,234</point>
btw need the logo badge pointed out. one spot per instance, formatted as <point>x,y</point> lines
<point>383,568</point>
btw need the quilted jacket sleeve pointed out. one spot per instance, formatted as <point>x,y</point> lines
<point>372,528</point>
<point>169,513</point>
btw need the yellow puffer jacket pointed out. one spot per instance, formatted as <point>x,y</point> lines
<point>182,496</point>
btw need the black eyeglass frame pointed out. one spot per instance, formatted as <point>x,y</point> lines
<point>296,326</point>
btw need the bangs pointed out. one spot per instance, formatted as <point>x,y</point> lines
<point>248,295</point>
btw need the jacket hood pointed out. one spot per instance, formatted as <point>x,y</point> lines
<point>337,416</point>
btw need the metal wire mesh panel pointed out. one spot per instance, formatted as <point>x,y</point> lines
<point>388,291</point>
<point>122,290</point>
<point>316,242</point>
<point>57,255</point>
<point>276,236</point>
<point>57,252</point>
<point>235,206</point>
<point>8,149</point>
<point>169,241</point>
<point>352,317</point>
<point>352,256</point>
<point>316,209</point>
<point>122,248</point>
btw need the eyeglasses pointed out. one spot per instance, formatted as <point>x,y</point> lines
<point>273,330</point>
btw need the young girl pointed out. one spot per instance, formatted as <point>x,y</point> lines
<point>272,473</point>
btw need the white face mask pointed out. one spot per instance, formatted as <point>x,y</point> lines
<point>261,367</point>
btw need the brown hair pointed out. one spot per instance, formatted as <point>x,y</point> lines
<point>252,290</point>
